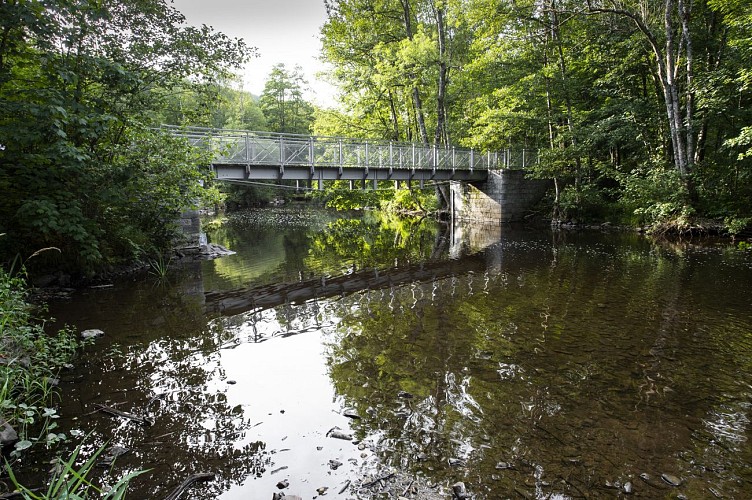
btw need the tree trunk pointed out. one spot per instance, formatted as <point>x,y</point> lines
<point>440,135</point>
<point>667,63</point>
<point>417,101</point>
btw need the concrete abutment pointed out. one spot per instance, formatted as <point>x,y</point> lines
<point>506,196</point>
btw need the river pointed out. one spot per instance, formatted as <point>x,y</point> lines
<point>351,356</point>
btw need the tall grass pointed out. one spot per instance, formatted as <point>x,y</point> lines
<point>72,482</point>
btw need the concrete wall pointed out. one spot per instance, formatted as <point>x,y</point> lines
<point>507,196</point>
<point>191,224</point>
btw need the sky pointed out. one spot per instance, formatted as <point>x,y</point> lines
<point>283,31</point>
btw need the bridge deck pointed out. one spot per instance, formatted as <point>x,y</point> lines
<point>246,155</point>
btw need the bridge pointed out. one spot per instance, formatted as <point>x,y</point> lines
<point>241,155</point>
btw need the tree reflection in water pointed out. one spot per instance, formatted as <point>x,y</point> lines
<point>546,365</point>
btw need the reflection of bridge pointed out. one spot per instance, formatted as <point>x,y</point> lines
<point>245,155</point>
<point>268,296</point>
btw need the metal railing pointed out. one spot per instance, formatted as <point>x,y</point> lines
<point>244,147</point>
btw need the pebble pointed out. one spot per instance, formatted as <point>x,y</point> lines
<point>283,484</point>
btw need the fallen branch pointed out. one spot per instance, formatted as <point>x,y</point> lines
<point>347,485</point>
<point>118,413</point>
<point>375,481</point>
<point>193,478</point>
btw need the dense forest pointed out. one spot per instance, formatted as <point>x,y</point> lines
<point>640,111</point>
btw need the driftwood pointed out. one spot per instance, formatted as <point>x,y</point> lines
<point>193,478</point>
<point>376,481</point>
<point>113,411</point>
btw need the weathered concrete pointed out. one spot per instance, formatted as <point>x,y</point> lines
<point>191,224</point>
<point>506,196</point>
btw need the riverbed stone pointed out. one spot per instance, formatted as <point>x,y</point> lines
<point>459,491</point>
<point>92,333</point>
<point>671,479</point>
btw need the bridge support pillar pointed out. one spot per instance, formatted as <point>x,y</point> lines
<point>506,196</point>
<point>191,225</point>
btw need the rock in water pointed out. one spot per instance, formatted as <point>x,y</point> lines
<point>459,491</point>
<point>92,334</point>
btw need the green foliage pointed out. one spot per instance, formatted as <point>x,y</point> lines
<point>586,90</point>
<point>654,195</point>
<point>283,104</point>
<point>80,85</point>
<point>736,225</point>
<point>29,361</point>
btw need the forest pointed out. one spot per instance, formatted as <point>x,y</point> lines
<point>640,110</point>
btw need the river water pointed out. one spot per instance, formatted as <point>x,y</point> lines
<point>523,363</point>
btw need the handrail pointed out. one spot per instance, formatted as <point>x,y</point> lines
<point>234,146</point>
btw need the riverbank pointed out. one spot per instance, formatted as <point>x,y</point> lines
<point>30,362</point>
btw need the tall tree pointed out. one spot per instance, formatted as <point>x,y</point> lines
<point>282,101</point>
<point>81,83</point>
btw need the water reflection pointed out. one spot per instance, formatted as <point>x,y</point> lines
<point>543,366</point>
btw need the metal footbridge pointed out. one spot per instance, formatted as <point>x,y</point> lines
<point>242,155</point>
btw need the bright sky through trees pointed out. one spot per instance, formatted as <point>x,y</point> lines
<point>283,31</point>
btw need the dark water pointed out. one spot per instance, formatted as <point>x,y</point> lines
<point>523,363</point>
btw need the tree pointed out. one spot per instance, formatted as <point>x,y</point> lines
<point>283,104</point>
<point>82,84</point>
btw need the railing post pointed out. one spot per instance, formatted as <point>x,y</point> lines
<point>311,155</point>
<point>523,157</point>
<point>340,159</point>
<point>247,154</point>
<point>281,150</point>
<point>472,158</point>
